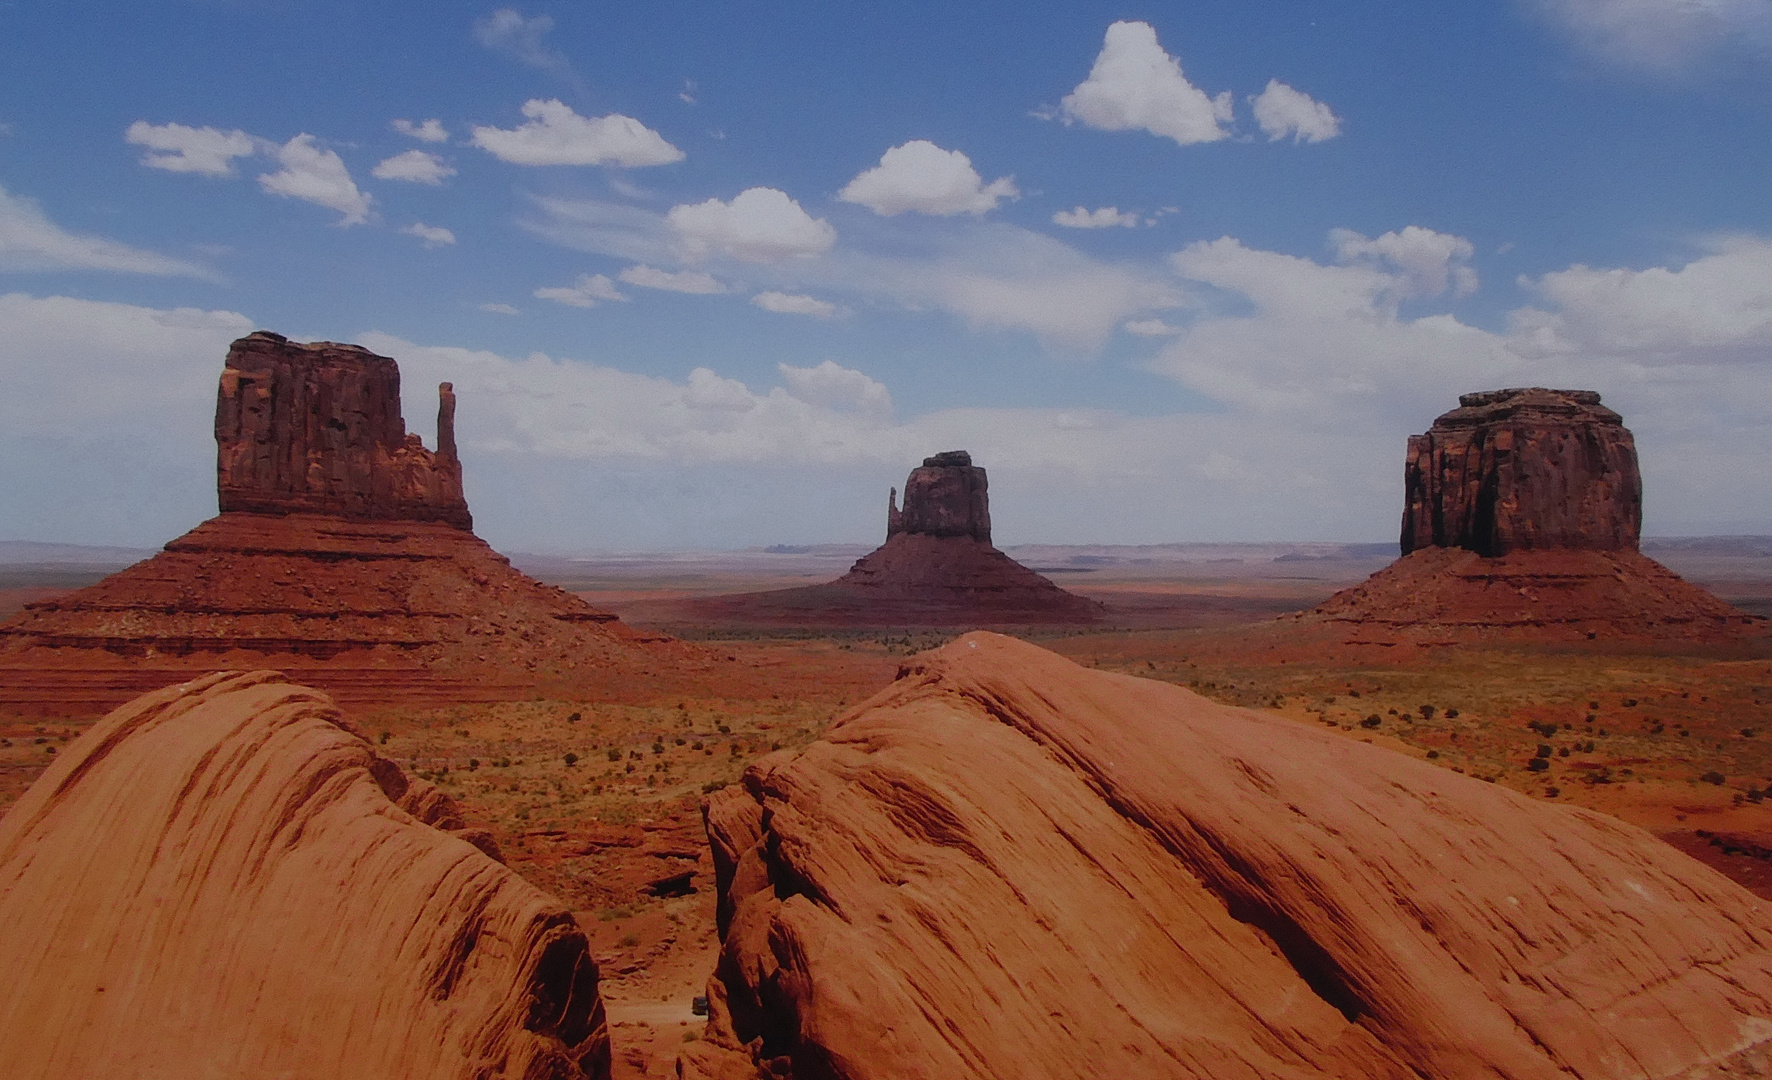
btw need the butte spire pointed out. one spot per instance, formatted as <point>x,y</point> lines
<point>343,553</point>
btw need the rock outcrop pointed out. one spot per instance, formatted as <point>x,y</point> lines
<point>937,568</point>
<point>316,429</point>
<point>1008,865</point>
<point>223,879</point>
<point>1523,470</point>
<point>946,497</point>
<point>343,554</point>
<point>1521,516</point>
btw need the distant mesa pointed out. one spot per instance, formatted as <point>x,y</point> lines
<point>343,550</point>
<point>1008,865</point>
<point>937,568</point>
<point>223,878</point>
<point>1522,513</point>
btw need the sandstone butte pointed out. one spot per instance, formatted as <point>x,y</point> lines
<point>343,554</point>
<point>1521,516</point>
<point>223,879</point>
<point>1007,865</point>
<point>936,568</point>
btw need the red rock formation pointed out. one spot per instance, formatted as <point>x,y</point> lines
<point>343,552</point>
<point>946,497</point>
<point>1523,470</point>
<point>1521,516</point>
<point>223,879</point>
<point>316,429</point>
<point>937,568</point>
<point>1008,865</point>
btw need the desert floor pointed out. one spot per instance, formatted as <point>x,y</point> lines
<point>599,801</point>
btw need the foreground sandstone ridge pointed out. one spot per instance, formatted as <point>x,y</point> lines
<point>316,428</point>
<point>222,879</point>
<point>1008,865</point>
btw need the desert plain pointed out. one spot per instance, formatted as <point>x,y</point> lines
<point>596,797</point>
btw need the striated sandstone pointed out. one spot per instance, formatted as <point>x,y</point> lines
<point>223,879</point>
<point>1008,865</point>
<point>316,428</point>
<point>1523,470</point>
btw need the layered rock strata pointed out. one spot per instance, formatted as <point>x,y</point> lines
<point>1009,865</point>
<point>316,428</point>
<point>1521,516</point>
<point>223,879</point>
<point>1523,470</point>
<point>343,553</point>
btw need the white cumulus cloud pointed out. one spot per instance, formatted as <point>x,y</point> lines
<point>759,225</point>
<point>833,386</point>
<point>1716,308</point>
<point>1136,86</point>
<point>206,151</point>
<point>319,176</point>
<point>427,131</point>
<point>29,241</point>
<point>795,304</point>
<point>921,177</point>
<point>496,308</point>
<point>433,236</point>
<point>585,292</point>
<point>1427,262</point>
<point>555,135</point>
<point>683,281</point>
<point>1283,111</point>
<point>415,166</point>
<point>1105,217</point>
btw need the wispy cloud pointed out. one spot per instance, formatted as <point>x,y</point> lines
<point>29,241</point>
<point>583,293</point>
<point>415,167</point>
<point>206,151</point>
<point>317,175</point>
<point>556,135</point>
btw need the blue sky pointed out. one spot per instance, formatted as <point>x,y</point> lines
<point>717,275</point>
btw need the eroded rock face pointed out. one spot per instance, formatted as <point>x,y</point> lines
<point>316,428</point>
<point>1526,469</point>
<point>344,551</point>
<point>946,497</point>
<point>223,879</point>
<point>1008,865</point>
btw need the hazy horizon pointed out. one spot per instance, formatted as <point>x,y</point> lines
<point>708,278</point>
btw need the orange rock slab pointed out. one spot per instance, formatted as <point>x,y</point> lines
<point>222,879</point>
<point>1009,865</point>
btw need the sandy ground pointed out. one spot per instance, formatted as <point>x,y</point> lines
<point>599,802</point>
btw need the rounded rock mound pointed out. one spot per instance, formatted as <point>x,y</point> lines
<point>223,879</point>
